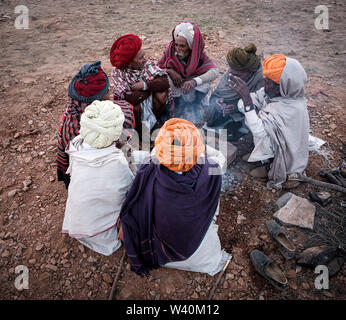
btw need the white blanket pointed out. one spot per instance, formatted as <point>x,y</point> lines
<point>100,179</point>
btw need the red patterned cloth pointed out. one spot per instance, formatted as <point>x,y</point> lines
<point>93,84</point>
<point>124,49</point>
<point>198,62</point>
<point>122,81</point>
<point>68,129</point>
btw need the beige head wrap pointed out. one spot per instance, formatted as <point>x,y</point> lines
<point>101,123</point>
<point>185,30</point>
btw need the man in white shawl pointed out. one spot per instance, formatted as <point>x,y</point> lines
<point>100,178</point>
<point>281,127</point>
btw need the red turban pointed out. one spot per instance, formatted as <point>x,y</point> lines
<point>93,86</point>
<point>124,50</point>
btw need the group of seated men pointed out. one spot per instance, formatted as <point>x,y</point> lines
<point>164,210</point>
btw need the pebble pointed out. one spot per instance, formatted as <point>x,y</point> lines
<point>107,278</point>
<point>32,261</point>
<point>16,135</point>
<point>39,247</point>
<point>12,193</point>
<point>5,254</point>
<point>30,122</point>
<point>194,295</point>
<point>51,179</point>
<point>51,267</point>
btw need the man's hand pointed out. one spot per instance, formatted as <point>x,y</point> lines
<point>241,88</point>
<point>137,86</point>
<point>176,77</point>
<point>225,108</point>
<point>188,86</point>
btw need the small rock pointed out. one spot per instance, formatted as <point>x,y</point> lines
<point>5,254</point>
<point>16,135</point>
<point>32,261</point>
<point>107,278</point>
<point>12,193</point>
<point>194,295</point>
<point>90,283</point>
<point>328,294</point>
<point>291,274</point>
<point>43,109</point>
<point>39,247</point>
<point>51,267</point>
<point>30,122</point>
<point>51,179</point>
<point>240,218</point>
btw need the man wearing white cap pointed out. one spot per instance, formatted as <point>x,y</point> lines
<point>100,178</point>
<point>190,72</point>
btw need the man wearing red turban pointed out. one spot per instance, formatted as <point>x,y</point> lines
<point>138,81</point>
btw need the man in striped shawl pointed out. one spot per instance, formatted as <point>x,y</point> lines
<point>89,84</point>
<point>190,72</point>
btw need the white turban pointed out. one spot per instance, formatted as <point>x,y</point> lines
<point>101,123</point>
<point>185,30</point>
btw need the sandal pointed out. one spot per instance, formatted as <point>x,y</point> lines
<point>268,269</point>
<point>279,236</point>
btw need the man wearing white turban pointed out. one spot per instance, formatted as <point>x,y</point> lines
<point>190,72</point>
<point>100,178</point>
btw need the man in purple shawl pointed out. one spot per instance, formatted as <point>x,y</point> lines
<point>168,217</point>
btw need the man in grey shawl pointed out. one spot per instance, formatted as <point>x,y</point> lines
<point>222,111</point>
<point>281,127</point>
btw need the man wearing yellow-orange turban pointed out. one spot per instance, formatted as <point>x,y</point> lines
<point>168,217</point>
<point>278,119</point>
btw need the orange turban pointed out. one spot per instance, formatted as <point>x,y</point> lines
<point>273,66</point>
<point>179,145</point>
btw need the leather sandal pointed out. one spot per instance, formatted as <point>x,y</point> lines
<point>268,269</point>
<point>286,247</point>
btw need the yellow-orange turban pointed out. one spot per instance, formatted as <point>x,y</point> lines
<point>179,145</point>
<point>273,66</point>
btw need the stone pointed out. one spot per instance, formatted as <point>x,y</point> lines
<point>39,247</point>
<point>51,267</point>
<point>107,278</point>
<point>32,261</point>
<point>291,274</point>
<point>51,179</point>
<point>194,295</point>
<point>295,211</point>
<point>5,254</point>
<point>16,135</point>
<point>240,218</point>
<point>12,193</point>
<point>318,255</point>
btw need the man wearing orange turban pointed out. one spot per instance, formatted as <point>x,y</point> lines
<point>138,81</point>
<point>281,127</point>
<point>173,203</point>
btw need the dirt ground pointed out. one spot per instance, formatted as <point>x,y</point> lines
<point>36,67</point>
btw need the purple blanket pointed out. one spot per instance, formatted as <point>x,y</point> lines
<point>166,215</point>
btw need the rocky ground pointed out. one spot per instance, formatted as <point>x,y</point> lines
<point>37,65</point>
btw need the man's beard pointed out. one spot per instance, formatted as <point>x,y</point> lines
<point>180,56</point>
